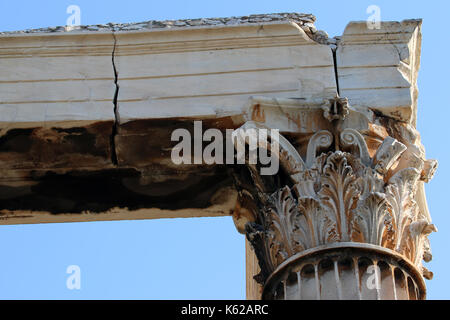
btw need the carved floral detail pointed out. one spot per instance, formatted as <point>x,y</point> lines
<point>342,195</point>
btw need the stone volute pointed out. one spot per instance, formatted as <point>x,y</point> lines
<point>344,216</point>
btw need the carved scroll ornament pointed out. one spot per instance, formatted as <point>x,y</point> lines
<point>340,194</point>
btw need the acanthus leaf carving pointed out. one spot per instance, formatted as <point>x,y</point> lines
<point>372,219</point>
<point>315,228</point>
<point>345,196</point>
<point>282,218</point>
<point>400,194</point>
<point>339,192</point>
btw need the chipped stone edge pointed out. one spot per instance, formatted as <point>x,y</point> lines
<point>306,20</point>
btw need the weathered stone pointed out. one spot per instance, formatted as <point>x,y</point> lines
<point>87,113</point>
<point>338,201</point>
<point>56,78</point>
<point>377,69</point>
<point>191,73</point>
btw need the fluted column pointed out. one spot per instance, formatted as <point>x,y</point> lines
<point>344,217</point>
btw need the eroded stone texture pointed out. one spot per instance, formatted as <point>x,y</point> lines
<point>303,19</point>
<point>377,69</point>
<point>55,79</point>
<point>91,105</point>
<point>191,73</point>
<point>86,118</point>
<point>345,199</point>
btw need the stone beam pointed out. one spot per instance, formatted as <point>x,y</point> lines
<point>377,68</point>
<point>86,115</point>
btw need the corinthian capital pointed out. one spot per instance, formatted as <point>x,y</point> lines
<point>341,219</point>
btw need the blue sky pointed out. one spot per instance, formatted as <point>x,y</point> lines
<point>204,258</point>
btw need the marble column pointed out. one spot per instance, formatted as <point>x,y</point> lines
<point>345,216</point>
